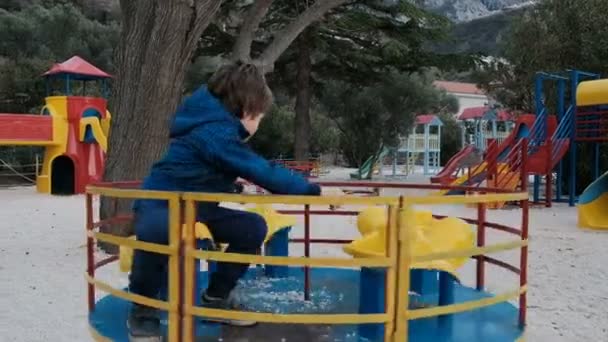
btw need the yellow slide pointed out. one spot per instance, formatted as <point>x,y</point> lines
<point>464,178</point>
<point>593,205</point>
<point>507,180</point>
<point>98,131</point>
<point>430,236</point>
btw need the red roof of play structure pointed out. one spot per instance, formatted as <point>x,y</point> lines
<point>504,115</point>
<point>473,113</point>
<point>79,66</point>
<point>479,112</point>
<point>425,119</point>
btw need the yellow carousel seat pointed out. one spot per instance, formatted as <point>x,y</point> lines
<point>429,236</point>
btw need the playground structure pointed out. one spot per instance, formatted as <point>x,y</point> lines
<point>485,121</point>
<point>401,282</point>
<point>423,142</point>
<point>591,123</point>
<point>548,139</point>
<point>310,168</point>
<point>72,127</point>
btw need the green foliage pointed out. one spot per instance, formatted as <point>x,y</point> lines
<point>275,137</point>
<point>451,139</point>
<point>34,38</point>
<point>368,117</point>
<point>358,43</point>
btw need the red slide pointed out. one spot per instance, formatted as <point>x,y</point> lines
<point>521,130</point>
<point>446,176</point>
<point>540,164</point>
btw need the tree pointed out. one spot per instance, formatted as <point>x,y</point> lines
<point>373,116</point>
<point>157,43</point>
<point>275,138</point>
<point>35,37</point>
<point>357,43</point>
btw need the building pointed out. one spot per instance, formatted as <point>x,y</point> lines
<point>468,94</point>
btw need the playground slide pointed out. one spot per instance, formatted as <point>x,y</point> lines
<point>537,162</point>
<point>366,170</point>
<point>445,175</point>
<point>478,174</point>
<point>506,179</point>
<point>520,131</point>
<point>96,130</point>
<point>593,204</point>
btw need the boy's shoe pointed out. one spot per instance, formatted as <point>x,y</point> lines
<point>229,303</point>
<point>144,324</point>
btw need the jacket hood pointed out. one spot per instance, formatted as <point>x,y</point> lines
<point>202,108</point>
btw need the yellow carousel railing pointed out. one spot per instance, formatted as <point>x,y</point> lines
<point>181,307</point>
<point>389,262</point>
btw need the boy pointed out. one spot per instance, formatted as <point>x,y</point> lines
<point>207,153</point>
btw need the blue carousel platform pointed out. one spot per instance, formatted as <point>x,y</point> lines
<point>332,291</point>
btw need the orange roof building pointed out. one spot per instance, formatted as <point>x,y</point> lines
<point>468,94</point>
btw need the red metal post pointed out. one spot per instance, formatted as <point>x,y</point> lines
<point>307,251</point>
<point>90,251</point>
<point>525,207</point>
<point>481,241</point>
<point>523,280</point>
<point>524,167</point>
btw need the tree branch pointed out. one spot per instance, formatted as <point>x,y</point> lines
<point>242,47</point>
<point>204,12</point>
<point>285,37</point>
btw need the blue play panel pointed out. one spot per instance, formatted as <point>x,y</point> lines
<point>333,291</point>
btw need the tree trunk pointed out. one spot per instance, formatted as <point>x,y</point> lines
<point>303,97</point>
<point>156,45</point>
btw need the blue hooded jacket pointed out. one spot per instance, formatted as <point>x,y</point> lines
<point>207,153</point>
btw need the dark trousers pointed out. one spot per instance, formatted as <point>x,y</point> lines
<point>244,233</point>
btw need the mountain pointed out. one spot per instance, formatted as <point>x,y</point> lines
<point>480,36</point>
<point>467,10</point>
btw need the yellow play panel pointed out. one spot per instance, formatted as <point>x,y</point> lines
<point>592,93</point>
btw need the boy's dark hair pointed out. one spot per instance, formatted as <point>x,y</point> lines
<point>242,88</point>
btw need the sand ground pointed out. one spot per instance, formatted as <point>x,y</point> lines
<point>43,297</point>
